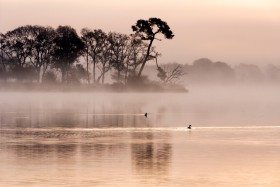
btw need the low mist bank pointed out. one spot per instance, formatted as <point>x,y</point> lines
<point>205,71</point>
<point>171,77</point>
<point>227,106</point>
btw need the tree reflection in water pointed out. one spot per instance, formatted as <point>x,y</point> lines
<point>151,154</point>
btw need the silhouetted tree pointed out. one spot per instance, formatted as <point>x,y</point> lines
<point>94,42</point>
<point>147,30</point>
<point>42,48</point>
<point>36,50</point>
<point>86,39</point>
<point>29,45</point>
<point>68,47</point>
<point>104,58</point>
<point>120,47</point>
<point>77,74</point>
<point>3,56</point>
<point>169,74</point>
<point>19,44</point>
<point>49,78</point>
<point>136,55</point>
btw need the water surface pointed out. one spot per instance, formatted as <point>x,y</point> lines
<point>83,139</point>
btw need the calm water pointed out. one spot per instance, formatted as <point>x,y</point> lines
<point>79,139</point>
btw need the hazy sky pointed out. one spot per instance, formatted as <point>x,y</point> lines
<point>233,31</point>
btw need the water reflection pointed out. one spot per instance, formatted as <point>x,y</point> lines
<point>42,151</point>
<point>64,140</point>
<point>65,112</point>
<point>152,155</point>
<point>132,158</point>
<point>109,154</point>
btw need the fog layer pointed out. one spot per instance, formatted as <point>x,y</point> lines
<point>230,106</point>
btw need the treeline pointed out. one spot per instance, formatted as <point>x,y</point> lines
<point>206,71</point>
<point>47,55</point>
<point>44,54</point>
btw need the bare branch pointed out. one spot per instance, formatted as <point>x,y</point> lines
<point>171,76</point>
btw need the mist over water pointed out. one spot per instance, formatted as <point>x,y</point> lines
<point>104,139</point>
<point>202,106</point>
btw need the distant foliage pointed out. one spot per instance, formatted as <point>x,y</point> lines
<point>205,71</point>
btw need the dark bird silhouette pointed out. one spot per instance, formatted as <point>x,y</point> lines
<point>190,127</point>
<point>146,114</point>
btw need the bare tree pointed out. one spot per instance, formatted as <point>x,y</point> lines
<point>4,55</point>
<point>86,39</point>
<point>136,55</point>
<point>94,42</point>
<point>42,49</point>
<point>120,47</point>
<point>20,44</point>
<point>170,75</point>
<point>104,58</point>
<point>29,45</point>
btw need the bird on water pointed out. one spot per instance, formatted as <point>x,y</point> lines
<point>146,114</point>
<point>190,127</point>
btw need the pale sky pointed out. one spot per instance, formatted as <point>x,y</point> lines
<point>233,31</point>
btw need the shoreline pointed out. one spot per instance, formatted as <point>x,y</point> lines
<point>61,88</point>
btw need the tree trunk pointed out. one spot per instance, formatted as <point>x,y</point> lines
<point>3,63</point>
<point>62,75</point>
<point>44,71</point>
<point>126,74</point>
<point>87,70</point>
<point>39,75</point>
<point>93,73</point>
<point>103,75</point>
<point>67,75</point>
<point>119,76</point>
<point>93,69</point>
<point>146,58</point>
<point>67,72</point>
